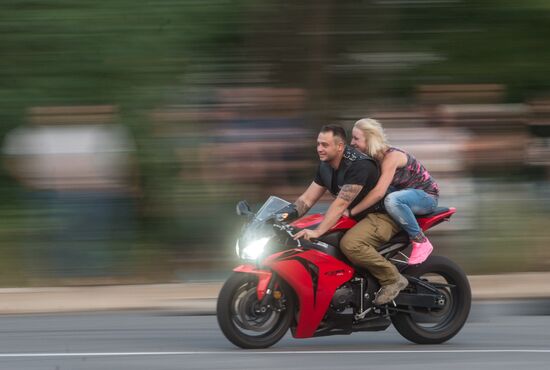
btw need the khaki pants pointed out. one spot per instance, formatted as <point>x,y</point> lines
<point>360,242</point>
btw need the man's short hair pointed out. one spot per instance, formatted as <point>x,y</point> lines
<point>337,131</point>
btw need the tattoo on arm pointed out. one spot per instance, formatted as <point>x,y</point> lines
<point>302,207</point>
<point>349,192</point>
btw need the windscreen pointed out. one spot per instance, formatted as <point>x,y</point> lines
<point>271,206</point>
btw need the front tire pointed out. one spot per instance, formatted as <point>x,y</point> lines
<point>434,326</point>
<point>240,318</point>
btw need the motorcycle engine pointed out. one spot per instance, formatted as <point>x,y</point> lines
<point>343,298</point>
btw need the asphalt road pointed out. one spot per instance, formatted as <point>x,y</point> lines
<point>497,336</point>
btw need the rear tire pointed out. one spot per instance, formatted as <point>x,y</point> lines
<point>445,322</point>
<point>238,316</point>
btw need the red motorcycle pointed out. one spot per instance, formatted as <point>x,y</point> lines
<point>311,288</point>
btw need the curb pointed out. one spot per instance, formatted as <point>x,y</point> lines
<point>200,298</point>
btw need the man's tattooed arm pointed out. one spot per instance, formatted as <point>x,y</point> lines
<point>302,207</point>
<point>312,194</point>
<point>346,195</point>
<point>349,192</point>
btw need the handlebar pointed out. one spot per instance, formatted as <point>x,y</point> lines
<point>287,229</point>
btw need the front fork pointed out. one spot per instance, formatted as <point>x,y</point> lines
<point>268,296</point>
<point>266,282</point>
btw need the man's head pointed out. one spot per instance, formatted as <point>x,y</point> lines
<point>331,144</point>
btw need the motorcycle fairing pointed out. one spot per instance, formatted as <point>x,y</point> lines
<point>344,223</point>
<point>429,221</point>
<point>263,277</point>
<point>314,276</point>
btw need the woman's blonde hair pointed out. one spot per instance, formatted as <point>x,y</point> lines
<point>375,138</point>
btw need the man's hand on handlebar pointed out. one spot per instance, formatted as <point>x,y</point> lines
<point>307,234</point>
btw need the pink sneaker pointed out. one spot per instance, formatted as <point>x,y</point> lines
<point>420,251</point>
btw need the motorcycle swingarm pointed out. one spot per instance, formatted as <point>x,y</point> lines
<point>420,300</point>
<point>431,287</point>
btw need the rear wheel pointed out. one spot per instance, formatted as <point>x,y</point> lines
<point>244,322</point>
<point>436,325</point>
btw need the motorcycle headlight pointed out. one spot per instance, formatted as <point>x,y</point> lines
<point>254,249</point>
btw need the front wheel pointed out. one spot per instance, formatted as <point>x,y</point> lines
<point>436,325</point>
<point>244,322</point>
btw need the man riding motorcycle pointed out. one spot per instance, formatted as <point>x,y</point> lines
<point>349,175</point>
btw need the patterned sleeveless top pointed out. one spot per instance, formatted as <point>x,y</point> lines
<point>413,176</point>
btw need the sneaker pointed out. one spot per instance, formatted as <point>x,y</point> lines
<point>388,292</point>
<point>420,251</point>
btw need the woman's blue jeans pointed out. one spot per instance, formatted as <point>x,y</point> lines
<point>403,205</point>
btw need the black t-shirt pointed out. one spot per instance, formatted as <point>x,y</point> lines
<point>360,172</point>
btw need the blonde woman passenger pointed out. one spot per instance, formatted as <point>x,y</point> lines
<point>412,190</point>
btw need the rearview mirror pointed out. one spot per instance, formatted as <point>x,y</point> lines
<point>243,209</point>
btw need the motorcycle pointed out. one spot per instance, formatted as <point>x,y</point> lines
<point>311,288</point>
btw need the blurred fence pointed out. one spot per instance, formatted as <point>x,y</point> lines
<point>84,210</point>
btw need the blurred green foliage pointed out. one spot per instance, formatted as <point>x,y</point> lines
<point>489,41</point>
<point>127,53</point>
